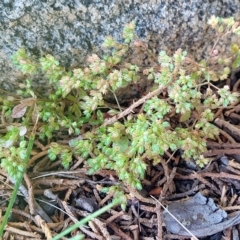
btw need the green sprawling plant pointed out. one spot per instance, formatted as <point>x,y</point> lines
<point>18,162</point>
<point>183,91</point>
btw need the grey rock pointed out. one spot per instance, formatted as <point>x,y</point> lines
<point>71,29</point>
<point>199,215</point>
<point>194,213</point>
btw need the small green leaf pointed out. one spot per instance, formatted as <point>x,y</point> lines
<point>51,155</point>
<point>234,48</point>
<point>22,154</point>
<point>138,185</point>
<point>141,150</point>
<point>236,63</point>
<point>122,144</point>
<point>20,168</point>
<point>185,116</point>
<point>100,115</point>
<point>220,29</point>
<point>156,148</point>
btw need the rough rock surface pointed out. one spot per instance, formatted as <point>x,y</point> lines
<point>70,29</point>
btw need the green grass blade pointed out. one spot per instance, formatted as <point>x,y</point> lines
<point>88,218</point>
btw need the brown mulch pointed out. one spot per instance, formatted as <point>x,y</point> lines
<point>74,191</point>
<point>51,199</point>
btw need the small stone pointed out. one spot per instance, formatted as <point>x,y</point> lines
<point>87,204</point>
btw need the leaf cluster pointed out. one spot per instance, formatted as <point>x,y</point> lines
<point>76,106</point>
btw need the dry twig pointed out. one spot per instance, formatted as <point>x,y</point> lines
<point>133,106</point>
<point>30,194</point>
